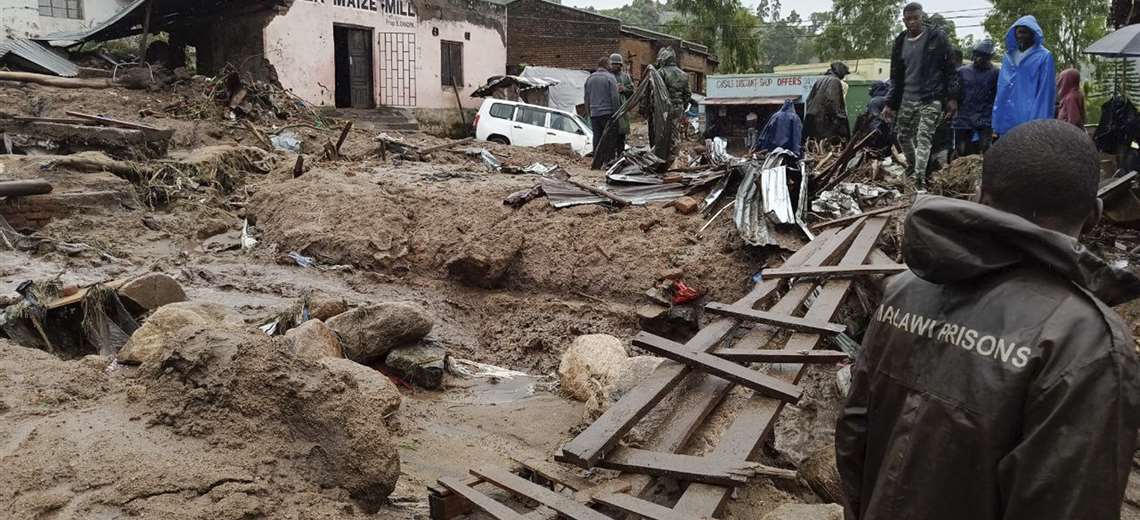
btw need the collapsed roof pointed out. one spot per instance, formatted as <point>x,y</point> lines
<point>164,15</point>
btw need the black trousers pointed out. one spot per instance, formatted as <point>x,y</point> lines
<point>598,125</point>
<point>965,145</point>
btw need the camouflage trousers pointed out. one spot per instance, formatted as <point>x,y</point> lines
<point>916,123</point>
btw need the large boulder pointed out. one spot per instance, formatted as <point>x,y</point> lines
<point>591,364</point>
<point>152,341</point>
<point>380,394</point>
<point>806,512</point>
<point>325,307</point>
<point>314,340</point>
<point>153,290</point>
<point>368,333</point>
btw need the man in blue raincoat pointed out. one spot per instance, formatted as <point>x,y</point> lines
<point>784,130</point>
<point>1027,86</point>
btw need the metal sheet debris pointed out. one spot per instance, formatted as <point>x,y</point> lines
<point>777,199</point>
<point>564,195</point>
<point>28,53</point>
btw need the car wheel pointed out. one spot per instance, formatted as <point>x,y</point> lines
<point>499,139</point>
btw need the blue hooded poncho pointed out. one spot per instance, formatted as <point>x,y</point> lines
<point>1027,88</point>
<point>784,130</point>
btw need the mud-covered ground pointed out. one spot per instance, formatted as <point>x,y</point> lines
<point>87,439</point>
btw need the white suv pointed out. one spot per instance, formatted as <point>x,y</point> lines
<point>511,122</point>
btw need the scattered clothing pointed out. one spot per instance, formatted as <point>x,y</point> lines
<point>1070,99</point>
<point>992,375</point>
<point>784,130</point>
<point>916,123</point>
<point>825,114</point>
<point>1026,88</point>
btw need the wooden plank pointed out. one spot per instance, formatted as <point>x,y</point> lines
<point>641,508</point>
<point>446,146</point>
<point>78,296</point>
<point>865,214</point>
<point>778,320</point>
<point>781,356</point>
<point>443,504</point>
<point>483,502</point>
<point>115,122</point>
<point>554,473</point>
<point>1115,184</point>
<point>690,468</point>
<point>758,416</point>
<point>605,432</point>
<point>834,271</point>
<point>761,383</point>
<point>564,505</point>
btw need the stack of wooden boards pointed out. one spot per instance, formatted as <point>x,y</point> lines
<point>700,375</point>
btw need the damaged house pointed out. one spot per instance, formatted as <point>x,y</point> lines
<point>37,18</point>
<point>419,59</point>
<point>546,34</point>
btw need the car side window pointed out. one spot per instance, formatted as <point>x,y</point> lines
<point>503,111</point>
<point>531,116</point>
<point>564,123</point>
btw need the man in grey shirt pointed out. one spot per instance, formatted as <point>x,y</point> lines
<point>602,98</point>
<point>924,81</point>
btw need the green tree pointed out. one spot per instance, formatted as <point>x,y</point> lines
<point>723,25</point>
<point>859,29</point>
<point>641,13</point>
<point>783,40</point>
<point>1069,25</point>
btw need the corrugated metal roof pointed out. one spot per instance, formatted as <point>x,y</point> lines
<point>30,53</point>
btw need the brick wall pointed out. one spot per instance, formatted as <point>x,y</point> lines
<point>542,33</point>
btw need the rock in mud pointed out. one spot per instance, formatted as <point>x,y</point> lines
<point>632,372</point>
<point>380,393</point>
<point>325,307</point>
<point>322,424</point>
<point>152,341</point>
<point>591,364</point>
<point>314,340</point>
<point>806,512</point>
<point>368,333</point>
<point>820,472</point>
<point>153,290</point>
<point>677,322</point>
<point>420,365</point>
<point>484,267</point>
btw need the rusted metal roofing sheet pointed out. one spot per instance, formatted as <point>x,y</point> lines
<point>29,54</point>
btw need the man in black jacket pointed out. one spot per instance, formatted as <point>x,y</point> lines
<point>924,80</point>
<point>994,380</point>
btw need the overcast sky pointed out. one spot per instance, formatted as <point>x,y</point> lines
<point>965,13</point>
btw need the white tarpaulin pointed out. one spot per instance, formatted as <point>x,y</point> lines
<point>570,90</point>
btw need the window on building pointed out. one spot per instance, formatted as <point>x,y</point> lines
<point>451,63</point>
<point>531,116</point>
<point>564,123</point>
<point>62,8</point>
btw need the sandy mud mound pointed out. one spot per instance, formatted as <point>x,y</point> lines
<point>228,424</point>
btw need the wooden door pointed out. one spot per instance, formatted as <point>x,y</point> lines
<point>360,67</point>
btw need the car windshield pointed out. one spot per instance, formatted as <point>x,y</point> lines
<point>585,126</point>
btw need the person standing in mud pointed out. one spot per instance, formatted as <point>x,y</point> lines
<point>825,115</point>
<point>625,90</point>
<point>973,128</point>
<point>923,85</point>
<point>668,145</point>
<point>994,381</point>
<point>602,99</point>
<point>1027,88</point>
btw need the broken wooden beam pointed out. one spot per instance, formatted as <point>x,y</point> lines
<point>760,383</point>
<point>258,135</point>
<point>55,81</point>
<point>640,508</point>
<point>690,468</point>
<point>343,136</point>
<point>564,505</point>
<point>445,146</point>
<point>1116,184</point>
<point>865,214</point>
<point>834,271</point>
<point>620,201</point>
<point>605,432</point>
<point>756,420</point>
<point>481,501</point>
<point>110,121</point>
<point>24,187</point>
<point>781,356</point>
<point>774,319</point>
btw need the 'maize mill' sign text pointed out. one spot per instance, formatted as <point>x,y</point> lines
<point>392,7</point>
